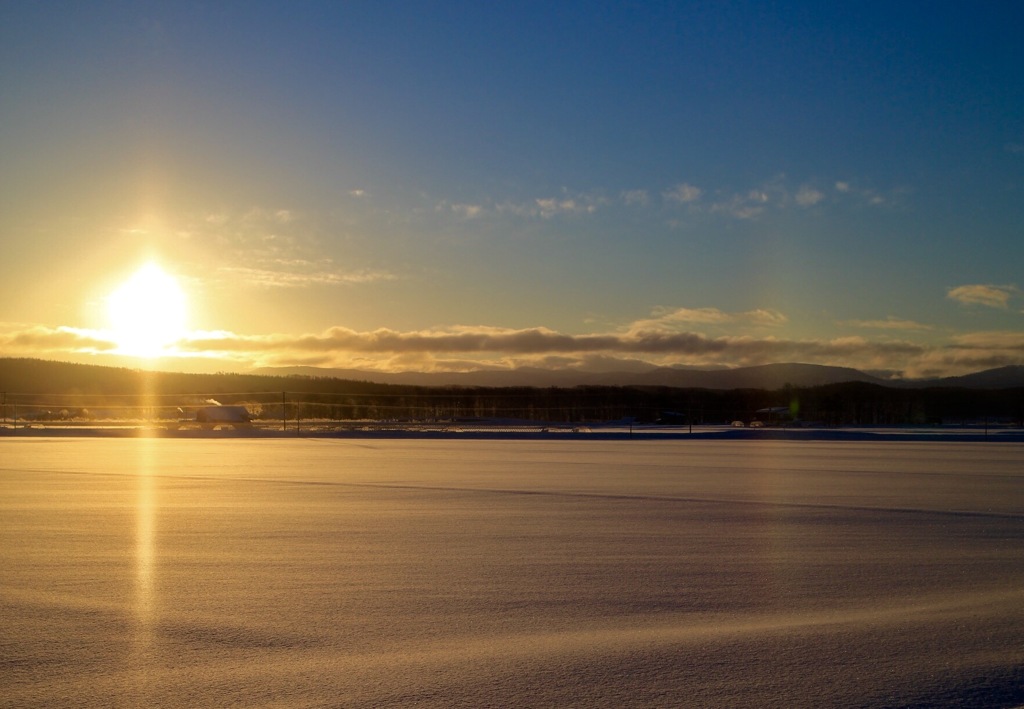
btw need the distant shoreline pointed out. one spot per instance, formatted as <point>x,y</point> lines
<point>553,433</point>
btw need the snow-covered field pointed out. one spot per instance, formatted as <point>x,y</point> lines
<point>570,572</point>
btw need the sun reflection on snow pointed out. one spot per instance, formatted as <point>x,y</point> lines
<point>145,563</point>
<point>145,514</point>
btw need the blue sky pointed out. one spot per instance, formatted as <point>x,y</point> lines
<point>458,185</point>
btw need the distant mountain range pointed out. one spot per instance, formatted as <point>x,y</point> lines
<point>39,376</point>
<point>768,376</point>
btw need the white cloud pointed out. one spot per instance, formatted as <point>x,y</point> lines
<point>669,319</point>
<point>245,235</point>
<point>991,340</point>
<point>773,194</point>
<point>298,273</point>
<point>462,210</point>
<point>636,198</point>
<point>467,347</point>
<point>749,206</point>
<point>754,202</point>
<point>866,195</point>
<point>988,295</point>
<point>551,206</point>
<point>270,247</point>
<point>970,352</point>
<point>890,323</point>
<point>489,347</point>
<point>807,196</point>
<point>683,193</point>
<point>468,211</point>
<point>35,340</point>
<point>264,216</point>
<point>541,340</point>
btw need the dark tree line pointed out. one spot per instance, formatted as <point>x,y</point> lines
<point>66,388</point>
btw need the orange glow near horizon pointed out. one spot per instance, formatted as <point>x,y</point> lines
<point>147,313</point>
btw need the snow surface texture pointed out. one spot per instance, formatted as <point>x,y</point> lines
<point>348,573</point>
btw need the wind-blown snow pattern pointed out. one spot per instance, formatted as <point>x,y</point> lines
<point>438,573</point>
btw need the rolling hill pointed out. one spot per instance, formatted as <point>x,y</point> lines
<point>32,375</point>
<point>768,376</point>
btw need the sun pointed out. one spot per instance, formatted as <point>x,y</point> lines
<point>147,313</point>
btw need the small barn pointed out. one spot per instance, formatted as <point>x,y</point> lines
<point>214,416</point>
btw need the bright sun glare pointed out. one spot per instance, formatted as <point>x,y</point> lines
<point>147,313</point>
